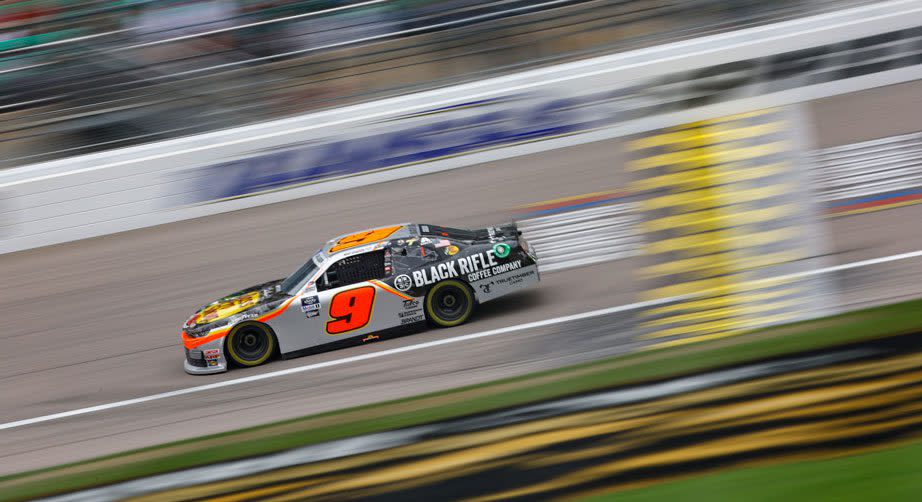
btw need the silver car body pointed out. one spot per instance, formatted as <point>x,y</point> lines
<point>309,317</point>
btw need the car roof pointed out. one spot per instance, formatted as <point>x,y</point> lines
<point>354,241</point>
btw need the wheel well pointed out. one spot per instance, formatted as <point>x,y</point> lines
<point>276,351</point>
<point>454,279</point>
<point>436,317</point>
<point>466,284</point>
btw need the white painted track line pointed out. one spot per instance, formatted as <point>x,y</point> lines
<point>327,364</point>
<point>420,346</point>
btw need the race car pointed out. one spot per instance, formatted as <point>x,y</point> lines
<point>358,287</point>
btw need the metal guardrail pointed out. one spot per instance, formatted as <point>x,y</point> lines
<point>594,235</point>
<point>583,237</point>
<point>868,168</point>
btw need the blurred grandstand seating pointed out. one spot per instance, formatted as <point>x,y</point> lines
<point>84,76</point>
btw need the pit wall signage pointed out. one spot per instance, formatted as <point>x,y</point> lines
<point>490,123</point>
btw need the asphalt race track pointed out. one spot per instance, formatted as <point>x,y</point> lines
<point>97,321</point>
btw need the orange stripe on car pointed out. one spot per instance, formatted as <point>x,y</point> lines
<point>278,311</point>
<point>191,343</point>
<point>389,289</point>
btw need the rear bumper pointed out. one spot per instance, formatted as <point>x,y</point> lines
<point>500,285</point>
<point>528,249</point>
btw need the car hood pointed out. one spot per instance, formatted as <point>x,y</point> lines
<point>234,303</point>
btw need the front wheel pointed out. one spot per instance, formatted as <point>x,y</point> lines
<point>250,344</point>
<point>449,303</point>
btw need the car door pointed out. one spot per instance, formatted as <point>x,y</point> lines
<point>353,299</point>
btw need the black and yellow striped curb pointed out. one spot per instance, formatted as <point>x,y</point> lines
<point>724,206</point>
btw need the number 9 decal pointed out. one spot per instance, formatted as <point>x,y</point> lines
<point>351,241</point>
<point>351,310</point>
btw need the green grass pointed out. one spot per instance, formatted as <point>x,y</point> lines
<point>892,474</point>
<point>860,325</point>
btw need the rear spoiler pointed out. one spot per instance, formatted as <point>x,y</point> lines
<point>504,231</point>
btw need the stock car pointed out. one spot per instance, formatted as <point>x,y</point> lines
<point>358,286</point>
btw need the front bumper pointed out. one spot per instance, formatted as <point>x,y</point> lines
<point>206,359</point>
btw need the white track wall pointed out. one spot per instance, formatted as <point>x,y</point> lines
<point>457,126</point>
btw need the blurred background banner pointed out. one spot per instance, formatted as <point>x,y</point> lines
<point>729,221</point>
<point>85,76</point>
<point>560,105</point>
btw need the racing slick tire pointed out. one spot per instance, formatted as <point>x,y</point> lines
<point>250,344</point>
<point>449,303</point>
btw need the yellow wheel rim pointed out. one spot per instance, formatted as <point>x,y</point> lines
<point>243,361</point>
<point>430,310</point>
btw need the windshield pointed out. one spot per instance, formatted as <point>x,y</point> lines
<point>293,283</point>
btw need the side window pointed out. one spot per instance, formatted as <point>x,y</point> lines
<point>353,269</point>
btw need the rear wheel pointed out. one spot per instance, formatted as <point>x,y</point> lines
<point>449,303</point>
<point>250,344</point>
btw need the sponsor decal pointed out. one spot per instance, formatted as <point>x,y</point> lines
<point>412,319</point>
<point>226,307</point>
<point>243,317</point>
<point>503,283</point>
<point>310,303</point>
<point>501,250</point>
<point>442,243</point>
<point>403,282</point>
<point>212,356</point>
<point>514,279</point>
<point>502,269</point>
<point>356,251</point>
<point>471,266</point>
<point>493,271</point>
<point>451,250</point>
<point>413,312</point>
<point>491,233</point>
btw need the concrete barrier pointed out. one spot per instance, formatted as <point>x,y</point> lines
<point>524,113</point>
